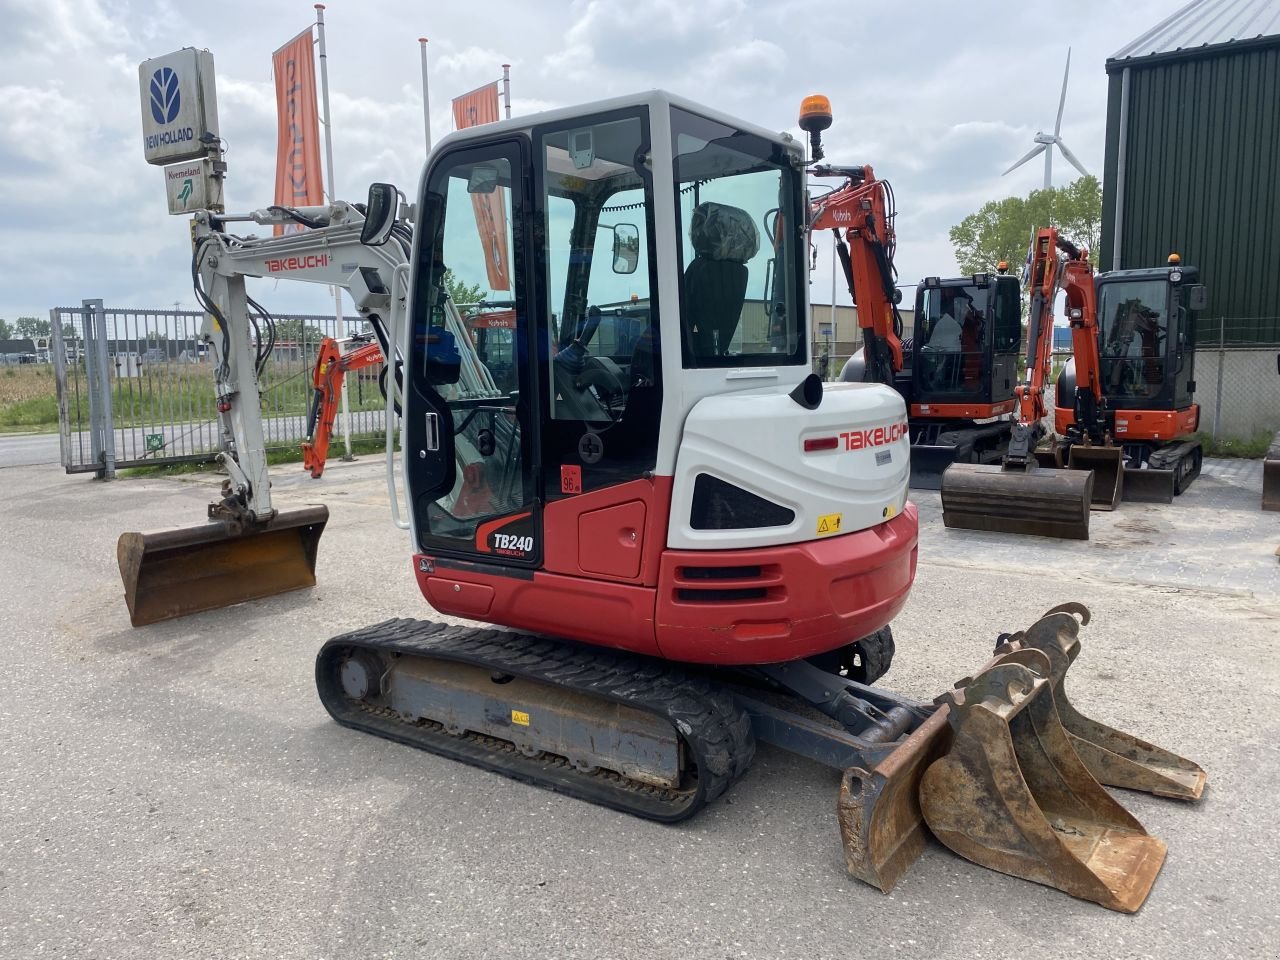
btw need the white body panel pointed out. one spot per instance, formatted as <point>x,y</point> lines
<point>755,440</point>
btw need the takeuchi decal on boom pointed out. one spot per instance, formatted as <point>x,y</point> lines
<point>874,436</point>
<point>285,264</point>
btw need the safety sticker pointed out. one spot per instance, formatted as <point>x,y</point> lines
<point>829,523</point>
<point>889,512</point>
<point>520,717</point>
<point>570,478</point>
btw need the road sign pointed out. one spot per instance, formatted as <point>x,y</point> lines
<point>179,105</point>
<point>191,186</point>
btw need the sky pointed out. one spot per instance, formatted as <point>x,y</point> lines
<point>940,97</point>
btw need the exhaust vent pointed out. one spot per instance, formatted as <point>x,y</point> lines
<point>718,505</point>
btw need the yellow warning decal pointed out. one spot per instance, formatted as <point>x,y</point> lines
<point>520,717</point>
<point>889,511</point>
<point>829,523</point>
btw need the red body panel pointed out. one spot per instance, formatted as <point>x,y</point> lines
<point>761,605</point>
<point>1142,424</point>
<point>962,411</point>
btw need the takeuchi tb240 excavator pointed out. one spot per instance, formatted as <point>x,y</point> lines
<point>682,542</point>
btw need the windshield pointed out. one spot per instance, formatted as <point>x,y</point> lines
<point>1133,324</point>
<point>737,210</point>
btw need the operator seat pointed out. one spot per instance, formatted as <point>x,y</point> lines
<point>724,238</point>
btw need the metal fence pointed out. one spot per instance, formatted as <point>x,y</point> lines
<point>1238,377</point>
<point>135,387</point>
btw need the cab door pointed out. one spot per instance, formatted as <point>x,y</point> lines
<point>471,425</point>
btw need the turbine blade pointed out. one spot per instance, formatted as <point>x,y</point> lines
<point>1035,152</point>
<point>1062,101</point>
<point>1071,158</point>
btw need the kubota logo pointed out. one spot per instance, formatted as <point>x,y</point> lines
<point>309,262</point>
<point>874,436</point>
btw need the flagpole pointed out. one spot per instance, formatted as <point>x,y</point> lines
<point>426,98</point>
<point>506,88</point>
<point>328,155</point>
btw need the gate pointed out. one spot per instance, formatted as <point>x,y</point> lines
<point>136,387</point>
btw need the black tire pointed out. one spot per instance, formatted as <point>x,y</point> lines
<point>864,662</point>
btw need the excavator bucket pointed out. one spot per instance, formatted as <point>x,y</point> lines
<point>879,808</point>
<point>1039,501</point>
<point>1107,464</point>
<point>1012,795</point>
<point>1115,758</point>
<point>171,573</point>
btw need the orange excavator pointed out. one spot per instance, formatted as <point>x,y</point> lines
<point>332,365</point>
<point>1123,403</point>
<point>956,370</point>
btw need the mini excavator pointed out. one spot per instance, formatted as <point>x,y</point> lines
<point>1123,409</point>
<point>677,540</point>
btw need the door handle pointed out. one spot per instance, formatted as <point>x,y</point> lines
<point>433,432</point>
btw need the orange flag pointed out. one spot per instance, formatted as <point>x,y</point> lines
<point>470,110</point>
<point>298,173</point>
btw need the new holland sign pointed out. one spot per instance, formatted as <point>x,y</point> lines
<point>179,105</point>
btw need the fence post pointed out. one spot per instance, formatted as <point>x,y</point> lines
<point>1217,403</point>
<point>102,426</point>
<point>58,349</point>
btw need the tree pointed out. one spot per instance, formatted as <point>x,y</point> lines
<point>461,293</point>
<point>6,331</point>
<point>1001,230</point>
<point>31,327</point>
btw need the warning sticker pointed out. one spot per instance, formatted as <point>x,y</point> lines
<point>520,717</point>
<point>829,523</point>
<point>889,511</point>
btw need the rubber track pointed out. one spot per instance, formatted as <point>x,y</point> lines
<point>715,731</point>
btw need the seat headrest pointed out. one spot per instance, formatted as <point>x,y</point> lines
<point>722,232</point>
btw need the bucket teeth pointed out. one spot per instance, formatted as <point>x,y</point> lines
<point>1114,757</point>
<point>1012,795</point>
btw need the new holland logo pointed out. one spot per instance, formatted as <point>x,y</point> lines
<point>166,98</point>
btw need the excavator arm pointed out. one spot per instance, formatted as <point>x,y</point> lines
<point>332,365</point>
<point>863,209</point>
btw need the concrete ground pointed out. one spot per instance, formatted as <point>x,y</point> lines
<point>178,791</point>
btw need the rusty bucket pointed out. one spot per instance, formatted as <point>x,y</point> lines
<point>1107,464</point>
<point>1040,501</point>
<point>171,573</point>
<point>1114,757</point>
<point>1012,794</point>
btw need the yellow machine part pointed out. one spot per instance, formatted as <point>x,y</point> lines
<point>171,573</point>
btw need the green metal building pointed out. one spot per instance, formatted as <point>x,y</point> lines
<point>1192,160</point>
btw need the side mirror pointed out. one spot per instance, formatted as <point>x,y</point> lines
<point>626,248</point>
<point>1198,297</point>
<point>380,214</point>
<point>483,179</point>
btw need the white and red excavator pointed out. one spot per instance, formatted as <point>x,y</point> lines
<point>677,541</point>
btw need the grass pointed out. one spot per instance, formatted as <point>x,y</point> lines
<point>1254,448</point>
<point>162,393</point>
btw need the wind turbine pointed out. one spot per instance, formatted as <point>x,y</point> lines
<point>1045,141</point>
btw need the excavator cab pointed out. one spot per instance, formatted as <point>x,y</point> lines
<point>1146,359</point>
<point>963,358</point>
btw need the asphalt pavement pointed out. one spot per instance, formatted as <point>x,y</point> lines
<point>177,791</point>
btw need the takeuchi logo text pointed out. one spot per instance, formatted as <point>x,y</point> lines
<point>874,436</point>
<point>309,262</point>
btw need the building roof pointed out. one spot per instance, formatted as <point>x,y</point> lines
<point>1206,23</point>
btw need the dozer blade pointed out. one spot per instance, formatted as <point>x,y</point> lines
<point>1107,464</point>
<point>1150,485</point>
<point>171,573</point>
<point>1012,794</point>
<point>1041,502</point>
<point>879,809</point>
<point>1115,758</point>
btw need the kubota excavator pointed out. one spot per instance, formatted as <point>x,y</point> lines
<point>681,538</point>
<point>1131,380</point>
<point>957,370</point>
